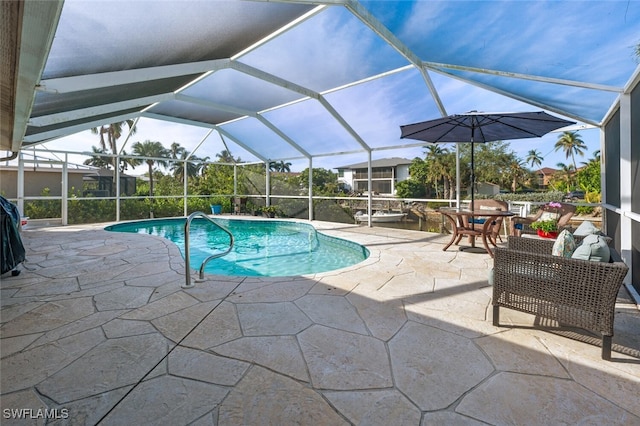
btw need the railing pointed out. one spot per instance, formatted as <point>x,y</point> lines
<point>187,226</point>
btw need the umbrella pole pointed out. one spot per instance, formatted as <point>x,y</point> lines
<point>473,181</point>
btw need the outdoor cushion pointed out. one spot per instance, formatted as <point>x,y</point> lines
<point>565,245</point>
<point>548,216</point>
<point>482,220</point>
<point>586,228</point>
<point>593,247</point>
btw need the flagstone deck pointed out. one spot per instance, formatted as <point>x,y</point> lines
<point>97,329</point>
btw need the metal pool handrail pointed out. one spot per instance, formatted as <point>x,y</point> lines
<point>187,227</point>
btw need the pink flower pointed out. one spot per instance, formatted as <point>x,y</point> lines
<point>555,205</point>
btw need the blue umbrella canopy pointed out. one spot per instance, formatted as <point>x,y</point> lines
<point>484,127</point>
<point>474,127</point>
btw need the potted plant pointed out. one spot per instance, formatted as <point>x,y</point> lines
<point>270,211</point>
<point>547,225</point>
<point>216,204</point>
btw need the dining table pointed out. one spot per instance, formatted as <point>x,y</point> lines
<point>463,224</point>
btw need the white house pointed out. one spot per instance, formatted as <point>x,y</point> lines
<point>385,174</point>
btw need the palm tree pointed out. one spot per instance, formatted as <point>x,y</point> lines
<point>279,166</point>
<point>126,162</point>
<point>154,151</point>
<point>534,158</point>
<point>193,166</point>
<point>202,165</point>
<point>98,160</point>
<point>437,169</point>
<point>113,132</point>
<point>566,173</point>
<point>516,172</point>
<point>225,157</point>
<point>176,151</point>
<point>594,159</point>
<point>571,144</point>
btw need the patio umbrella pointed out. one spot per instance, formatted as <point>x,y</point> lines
<point>477,127</point>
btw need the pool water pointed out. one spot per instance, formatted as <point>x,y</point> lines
<point>269,248</point>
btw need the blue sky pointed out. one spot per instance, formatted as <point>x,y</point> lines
<point>331,48</point>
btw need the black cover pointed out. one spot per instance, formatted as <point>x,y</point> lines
<point>12,251</point>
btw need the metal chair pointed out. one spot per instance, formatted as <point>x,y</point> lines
<point>240,205</point>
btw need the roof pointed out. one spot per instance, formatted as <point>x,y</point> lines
<point>301,79</point>
<point>546,171</point>
<point>385,162</point>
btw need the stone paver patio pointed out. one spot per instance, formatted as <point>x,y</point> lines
<point>96,330</point>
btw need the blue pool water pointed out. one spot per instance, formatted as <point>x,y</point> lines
<point>268,248</point>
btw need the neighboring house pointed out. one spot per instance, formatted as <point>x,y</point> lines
<point>543,176</point>
<point>100,183</point>
<point>90,180</point>
<point>385,174</point>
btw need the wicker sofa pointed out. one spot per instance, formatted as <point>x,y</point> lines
<point>578,293</point>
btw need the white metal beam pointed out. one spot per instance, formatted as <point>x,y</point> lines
<point>563,82</point>
<point>240,143</point>
<point>383,32</point>
<point>521,98</point>
<point>280,133</point>
<point>116,78</point>
<point>245,113</point>
<point>214,105</point>
<point>66,116</point>
<point>303,91</point>
<point>66,131</point>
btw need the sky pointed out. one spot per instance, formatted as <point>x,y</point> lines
<point>333,48</point>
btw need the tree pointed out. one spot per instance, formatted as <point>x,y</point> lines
<point>279,166</point>
<point>125,162</point>
<point>98,160</point>
<point>534,158</point>
<point>594,159</point>
<point>563,178</point>
<point>571,144</point>
<point>225,157</point>
<point>588,177</point>
<point>113,132</point>
<point>517,172</point>
<point>154,151</point>
<point>176,151</point>
<point>436,167</point>
<point>324,181</point>
<point>193,166</point>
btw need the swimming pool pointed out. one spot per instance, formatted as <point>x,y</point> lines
<point>270,248</point>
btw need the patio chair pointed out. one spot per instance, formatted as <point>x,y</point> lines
<point>478,222</point>
<point>519,211</point>
<point>239,205</point>
<point>571,292</point>
<point>522,225</point>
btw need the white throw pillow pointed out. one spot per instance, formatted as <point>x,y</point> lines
<point>549,216</point>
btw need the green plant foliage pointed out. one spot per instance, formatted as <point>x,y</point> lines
<point>588,177</point>
<point>410,188</point>
<point>536,197</point>
<point>325,182</point>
